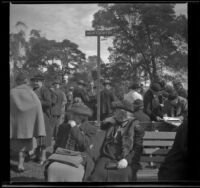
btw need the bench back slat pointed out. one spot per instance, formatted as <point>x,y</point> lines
<point>159,143</point>
<point>155,151</point>
<point>157,159</point>
<point>150,135</point>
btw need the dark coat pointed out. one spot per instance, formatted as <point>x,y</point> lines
<point>83,137</point>
<point>127,144</point>
<point>82,94</point>
<point>182,92</point>
<point>107,97</point>
<point>175,168</point>
<point>152,106</point>
<point>48,99</point>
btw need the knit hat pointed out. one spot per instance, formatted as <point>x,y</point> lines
<point>107,82</point>
<point>155,87</point>
<point>125,105</point>
<point>80,109</point>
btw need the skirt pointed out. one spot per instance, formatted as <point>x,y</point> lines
<point>21,145</point>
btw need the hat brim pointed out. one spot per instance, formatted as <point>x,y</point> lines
<point>80,111</point>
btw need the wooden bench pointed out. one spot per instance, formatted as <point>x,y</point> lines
<point>156,146</point>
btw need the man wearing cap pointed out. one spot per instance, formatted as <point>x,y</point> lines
<point>26,118</point>
<point>75,134</point>
<point>178,86</point>
<point>133,94</point>
<point>48,99</point>
<point>175,106</point>
<point>80,93</point>
<point>152,106</point>
<point>106,98</point>
<point>122,147</point>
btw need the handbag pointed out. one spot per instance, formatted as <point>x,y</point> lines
<point>68,157</point>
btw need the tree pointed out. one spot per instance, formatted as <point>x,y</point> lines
<point>144,36</point>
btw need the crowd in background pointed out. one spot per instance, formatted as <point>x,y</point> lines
<point>39,108</point>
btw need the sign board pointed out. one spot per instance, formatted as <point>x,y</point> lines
<point>99,33</point>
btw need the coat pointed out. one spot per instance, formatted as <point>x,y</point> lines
<point>175,166</point>
<point>107,97</point>
<point>81,93</point>
<point>127,144</point>
<point>26,116</point>
<point>83,137</point>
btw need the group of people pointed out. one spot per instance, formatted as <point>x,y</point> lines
<point>45,112</point>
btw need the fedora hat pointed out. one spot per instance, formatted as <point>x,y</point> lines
<point>37,77</point>
<point>125,105</point>
<point>81,82</point>
<point>80,109</point>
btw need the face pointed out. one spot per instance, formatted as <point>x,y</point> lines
<point>56,86</point>
<point>75,117</point>
<point>107,86</point>
<point>120,115</point>
<point>37,83</point>
<point>174,102</point>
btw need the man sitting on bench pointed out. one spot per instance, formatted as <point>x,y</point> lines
<point>122,147</point>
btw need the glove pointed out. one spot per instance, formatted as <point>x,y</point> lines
<point>123,163</point>
<point>72,123</point>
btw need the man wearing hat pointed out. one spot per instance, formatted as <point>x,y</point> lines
<point>107,96</point>
<point>133,94</point>
<point>26,118</point>
<point>75,134</point>
<point>48,99</point>
<point>175,106</point>
<point>178,86</point>
<point>122,147</point>
<point>80,93</point>
<point>152,105</point>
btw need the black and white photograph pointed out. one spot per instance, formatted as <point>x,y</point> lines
<point>98,92</point>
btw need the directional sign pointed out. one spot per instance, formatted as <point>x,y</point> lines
<point>99,33</point>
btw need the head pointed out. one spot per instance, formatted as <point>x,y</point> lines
<point>177,84</point>
<point>37,81</point>
<point>155,88</point>
<point>21,78</point>
<point>138,105</point>
<point>107,84</point>
<point>173,98</point>
<point>79,113</point>
<point>56,85</point>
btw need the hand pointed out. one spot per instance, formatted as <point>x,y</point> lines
<point>123,163</point>
<point>158,118</point>
<point>72,123</point>
<point>181,118</point>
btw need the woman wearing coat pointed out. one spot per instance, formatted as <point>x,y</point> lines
<point>75,134</point>
<point>26,118</point>
<point>122,147</point>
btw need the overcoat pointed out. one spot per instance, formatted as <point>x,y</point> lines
<point>26,116</point>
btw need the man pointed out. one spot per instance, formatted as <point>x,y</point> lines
<point>151,102</point>
<point>178,86</point>
<point>80,95</point>
<point>175,106</point>
<point>48,99</point>
<point>26,118</point>
<point>122,147</point>
<point>59,109</point>
<point>69,96</point>
<point>106,98</point>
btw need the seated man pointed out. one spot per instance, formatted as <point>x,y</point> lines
<point>175,106</point>
<point>74,134</point>
<point>122,147</point>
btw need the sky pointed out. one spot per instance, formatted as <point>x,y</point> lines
<point>66,21</point>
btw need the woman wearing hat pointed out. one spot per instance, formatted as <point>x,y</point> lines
<point>122,147</point>
<point>26,118</point>
<point>75,134</point>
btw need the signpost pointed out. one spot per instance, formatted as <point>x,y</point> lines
<point>98,33</point>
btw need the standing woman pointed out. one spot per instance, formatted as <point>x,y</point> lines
<point>26,118</point>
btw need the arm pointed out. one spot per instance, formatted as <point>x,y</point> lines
<point>83,137</point>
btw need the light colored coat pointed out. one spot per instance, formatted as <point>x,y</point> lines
<point>26,116</point>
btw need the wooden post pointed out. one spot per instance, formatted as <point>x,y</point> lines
<point>98,79</point>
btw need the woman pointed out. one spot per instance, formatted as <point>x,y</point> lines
<point>26,118</point>
<point>74,134</point>
<point>121,149</point>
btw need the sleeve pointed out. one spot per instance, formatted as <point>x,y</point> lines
<point>137,143</point>
<point>45,98</point>
<point>83,137</point>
